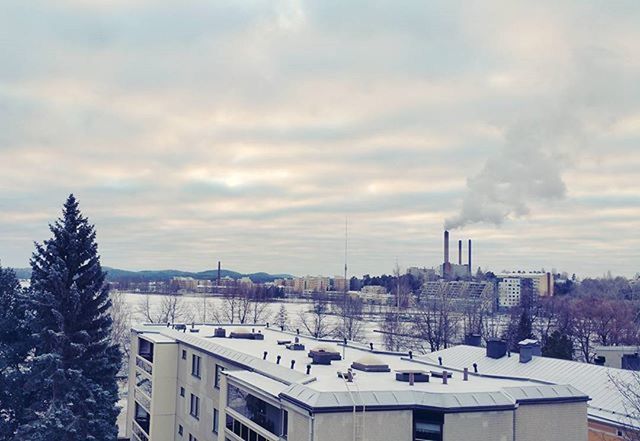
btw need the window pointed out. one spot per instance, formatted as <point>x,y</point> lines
<point>184,354</point>
<point>264,414</point>
<point>192,438</point>
<point>182,391</point>
<point>195,366</point>
<point>194,408</point>
<point>219,370</point>
<point>180,429</point>
<point>215,420</point>
<point>427,426</point>
<point>285,424</point>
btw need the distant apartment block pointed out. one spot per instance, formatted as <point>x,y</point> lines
<point>310,284</point>
<point>231,383</point>
<point>511,286</point>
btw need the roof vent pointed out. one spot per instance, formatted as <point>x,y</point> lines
<point>219,332</point>
<point>496,348</point>
<point>369,363</point>
<point>242,334</point>
<point>324,354</point>
<point>528,348</point>
<point>295,347</point>
<point>418,376</point>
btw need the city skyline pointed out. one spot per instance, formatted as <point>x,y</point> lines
<point>246,132</point>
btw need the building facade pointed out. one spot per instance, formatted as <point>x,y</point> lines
<point>223,383</point>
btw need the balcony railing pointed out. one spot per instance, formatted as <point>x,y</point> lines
<point>139,432</point>
<point>142,399</point>
<point>144,365</point>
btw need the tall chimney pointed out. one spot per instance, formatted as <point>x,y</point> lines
<point>470,270</point>
<point>460,252</point>
<point>446,247</point>
<point>218,273</point>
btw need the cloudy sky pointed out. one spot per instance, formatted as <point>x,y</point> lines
<point>247,131</point>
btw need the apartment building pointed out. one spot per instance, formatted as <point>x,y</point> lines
<point>230,383</point>
<point>512,285</point>
<point>609,414</point>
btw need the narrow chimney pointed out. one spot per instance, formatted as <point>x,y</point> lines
<point>445,377</point>
<point>460,252</point>
<point>465,374</point>
<point>412,378</point>
<point>469,257</point>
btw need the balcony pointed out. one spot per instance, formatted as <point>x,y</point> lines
<point>145,349</point>
<point>142,419</point>
<point>138,433</point>
<point>144,364</point>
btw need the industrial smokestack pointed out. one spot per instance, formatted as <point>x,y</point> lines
<point>460,252</point>
<point>446,246</point>
<point>470,270</point>
<point>218,273</point>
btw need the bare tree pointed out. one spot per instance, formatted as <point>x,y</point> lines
<point>316,321</point>
<point>436,323</point>
<point>350,313</point>
<point>398,334</point>
<point>121,324</point>
<point>629,388</point>
<point>170,309</point>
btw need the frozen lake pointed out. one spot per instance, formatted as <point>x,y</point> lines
<point>196,308</point>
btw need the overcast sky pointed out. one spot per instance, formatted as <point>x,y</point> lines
<point>246,131</point>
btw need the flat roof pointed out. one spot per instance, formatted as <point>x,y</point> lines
<point>323,388</point>
<point>607,402</point>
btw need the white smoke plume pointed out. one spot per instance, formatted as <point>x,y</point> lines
<point>539,147</point>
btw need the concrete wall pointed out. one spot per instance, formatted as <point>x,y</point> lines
<point>494,426</point>
<point>551,422</point>
<point>163,403</point>
<point>299,422</point>
<point>380,426</point>
<point>204,388</point>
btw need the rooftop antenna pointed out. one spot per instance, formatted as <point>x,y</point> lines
<point>344,287</point>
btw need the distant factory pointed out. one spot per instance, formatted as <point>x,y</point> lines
<point>456,271</point>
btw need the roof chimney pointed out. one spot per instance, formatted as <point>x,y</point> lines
<point>496,348</point>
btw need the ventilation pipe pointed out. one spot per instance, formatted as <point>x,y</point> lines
<point>278,359</point>
<point>465,374</point>
<point>293,363</point>
<point>264,355</point>
<point>440,361</point>
<point>445,377</point>
<point>475,368</point>
<point>308,369</point>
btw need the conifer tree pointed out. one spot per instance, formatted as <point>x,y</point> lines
<point>15,347</point>
<point>75,362</point>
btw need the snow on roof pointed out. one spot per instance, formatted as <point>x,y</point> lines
<point>607,403</point>
<point>323,388</point>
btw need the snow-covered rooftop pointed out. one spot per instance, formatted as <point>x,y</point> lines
<point>607,403</point>
<point>322,387</point>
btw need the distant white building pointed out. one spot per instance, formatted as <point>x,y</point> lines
<point>511,285</point>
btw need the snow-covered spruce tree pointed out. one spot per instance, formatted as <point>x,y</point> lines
<point>15,347</point>
<point>75,363</point>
